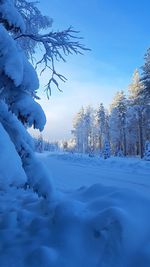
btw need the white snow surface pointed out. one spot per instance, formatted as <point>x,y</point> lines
<point>30,109</point>
<point>11,60</point>
<point>98,217</point>
<point>15,64</point>
<point>30,82</point>
<point>82,170</point>
<point>11,171</point>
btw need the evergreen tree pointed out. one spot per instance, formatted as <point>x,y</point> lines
<point>139,110</point>
<point>147,151</point>
<point>106,150</point>
<point>117,122</point>
<point>101,125</point>
<point>88,130</point>
<point>145,78</point>
<point>135,88</point>
<point>40,144</point>
<point>22,32</point>
<point>78,131</point>
<point>84,130</point>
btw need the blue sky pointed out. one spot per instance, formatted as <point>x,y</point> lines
<point>118,34</point>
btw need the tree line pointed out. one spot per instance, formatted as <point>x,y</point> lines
<point>124,128</point>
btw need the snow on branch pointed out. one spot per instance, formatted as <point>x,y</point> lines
<point>56,46</point>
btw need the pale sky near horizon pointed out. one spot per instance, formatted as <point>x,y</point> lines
<point>118,34</point>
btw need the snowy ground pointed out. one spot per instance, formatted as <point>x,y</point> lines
<point>98,217</point>
<point>71,171</point>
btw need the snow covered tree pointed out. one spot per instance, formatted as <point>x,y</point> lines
<point>88,130</point>
<point>78,131</point>
<point>117,122</point>
<point>135,88</point>
<point>101,125</point>
<point>138,108</point>
<point>23,30</point>
<point>84,130</point>
<point>132,131</point>
<point>106,150</point>
<point>39,145</point>
<point>71,145</point>
<point>144,94</point>
<point>147,150</point>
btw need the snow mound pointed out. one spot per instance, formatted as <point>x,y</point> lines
<point>96,226</point>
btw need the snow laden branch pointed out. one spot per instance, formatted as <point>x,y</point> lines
<point>56,46</point>
<point>26,35</point>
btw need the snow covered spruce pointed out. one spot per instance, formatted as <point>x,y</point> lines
<point>23,29</point>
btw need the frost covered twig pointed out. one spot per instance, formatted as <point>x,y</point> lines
<point>56,46</point>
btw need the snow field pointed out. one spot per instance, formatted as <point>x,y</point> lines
<point>71,171</point>
<point>96,225</point>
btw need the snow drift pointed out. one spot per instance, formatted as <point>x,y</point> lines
<point>96,226</point>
